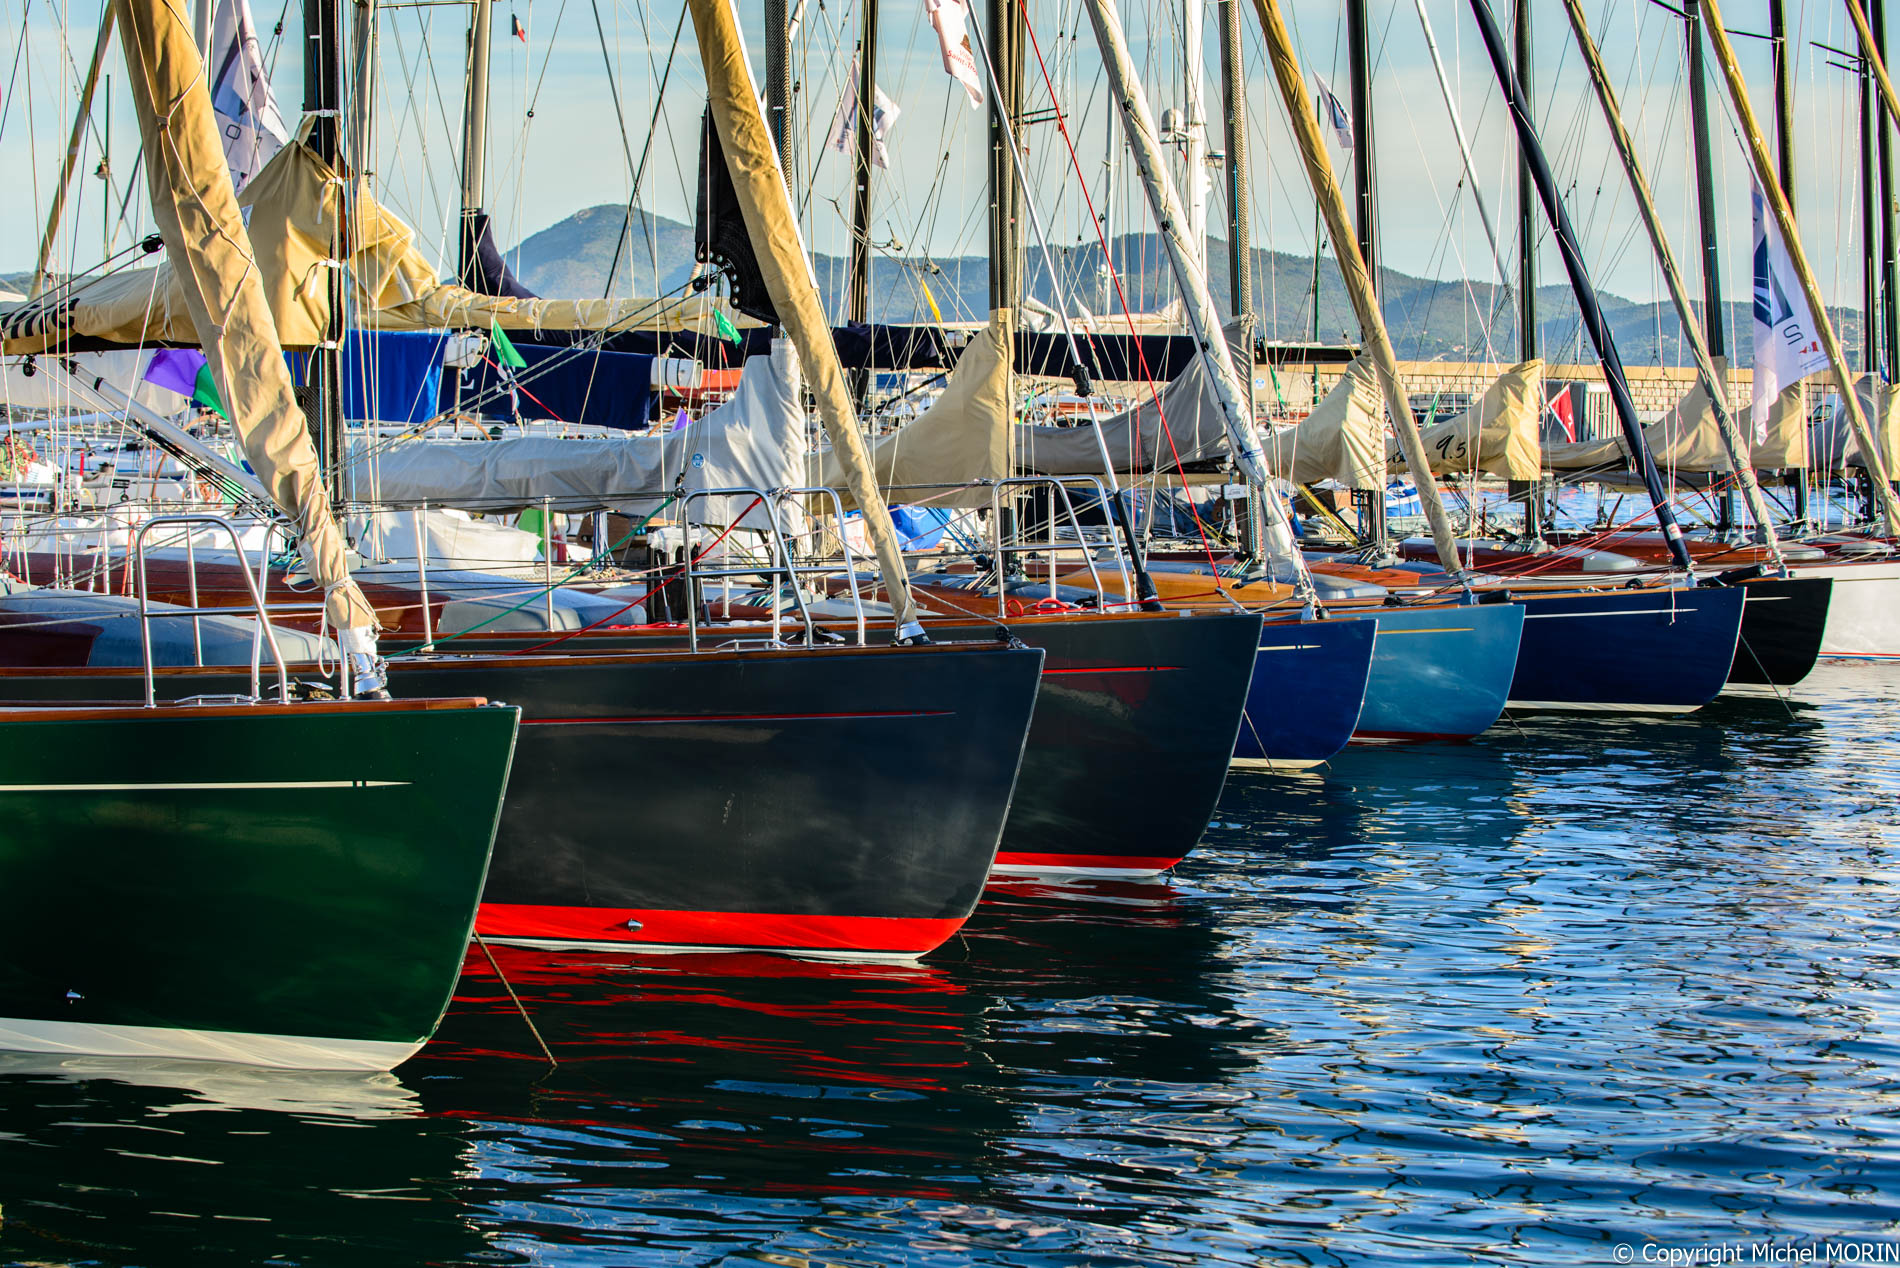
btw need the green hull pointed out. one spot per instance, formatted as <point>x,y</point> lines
<point>278,885</point>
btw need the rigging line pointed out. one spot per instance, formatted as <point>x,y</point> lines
<point>639,174</point>
<point>613,86</point>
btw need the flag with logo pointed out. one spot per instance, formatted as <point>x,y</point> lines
<point>844,128</point>
<point>1787,338</point>
<point>248,122</point>
<point>1332,112</point>
<point>951,19</point>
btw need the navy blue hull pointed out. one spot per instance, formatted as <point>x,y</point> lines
<point>1626,650</point>
<point>1440,672</point>
<point>1309,681</point>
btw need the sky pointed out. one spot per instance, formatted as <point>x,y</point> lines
<point>573,111</point>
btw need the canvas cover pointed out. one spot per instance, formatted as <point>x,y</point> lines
<point>963,436</point>
<point>1684,439</point>
<point>1495,437</point>
<point>1186,411</point>
<point>1835,446</point>
<point>1343,439</point>
<point>220,290</point>
<point>1786,443</point>
<point>291,210</point>
<point>755,440</point>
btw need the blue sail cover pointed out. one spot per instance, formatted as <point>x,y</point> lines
<point>609,389</point>
<point>388,376</point>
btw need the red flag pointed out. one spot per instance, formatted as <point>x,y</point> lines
<point>1561,407</point>
<point>521,32</point>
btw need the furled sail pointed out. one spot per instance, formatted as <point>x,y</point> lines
<point>754,440</point>
<point>291,210</point>
<point>218,285</point>
<point>963,436</point>
<point>1497,436</point>
<point>1343,439</point>
<point>1182,420</point>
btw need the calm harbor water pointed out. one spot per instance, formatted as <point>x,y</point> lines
<point>1573,990</point>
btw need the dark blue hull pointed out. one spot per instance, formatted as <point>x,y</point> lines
<point>1309,681</point>
<point>1638,651</point>
<point>1440,672</point>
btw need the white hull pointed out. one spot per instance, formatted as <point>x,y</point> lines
<point>285,1052</point>
<point>1863,614</point>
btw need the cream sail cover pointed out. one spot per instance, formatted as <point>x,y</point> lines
<point>963,436</point>
<point>218,286</point>
<point>1495,437</point>
<point>1343,439</point>
<point>291,212</point>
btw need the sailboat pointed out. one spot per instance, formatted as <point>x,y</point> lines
<point>241,879</point>
<point>756,797</point>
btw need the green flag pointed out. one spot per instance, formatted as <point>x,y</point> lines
<point>723,324</point>
<point>205,392</point>
<point>505,351</point>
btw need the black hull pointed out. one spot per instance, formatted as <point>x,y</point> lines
<point>1133,732</point>
<point>838,802</point>
<point>1783,622</point>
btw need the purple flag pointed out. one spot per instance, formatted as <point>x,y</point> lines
<point>177,369</point>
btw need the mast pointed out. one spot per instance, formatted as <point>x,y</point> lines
<point>71,159</point>
<point>1568,247</point>
<point>1194,151</point>
<point>1138,126</point>
<point>1003,125</point>
<point>1233,96</point>
<point>1883,150</point>
<point>322,101</point>
<point>1708,368</point>
<point>362,136</point>
<point>778,78</point>
<point>474,136</point>
<point>1464,145</point>
<point>1006,36</point>
<point>1877,63</point>
<point>1869,285</point>
<point>1352,266</point>
<point>1366,217</point>
<point>858,297</point>
<point>1714,325</point>
<point>1714,317</point>
<point>1784,167</point>
<point>771,221</point>
<point>1526,203</point>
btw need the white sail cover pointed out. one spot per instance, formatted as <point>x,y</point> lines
<point>1786,444</point>
<point>1343,439</point>
<point>755,440</point>
<point>1498,436</point>
<point>963,436</point>
<point>1138,442</point>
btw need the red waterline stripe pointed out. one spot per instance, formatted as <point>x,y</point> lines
<point>1125,862</point>
<point>738,717</point>
<point>1114,669</point>
<point>894,935</point>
